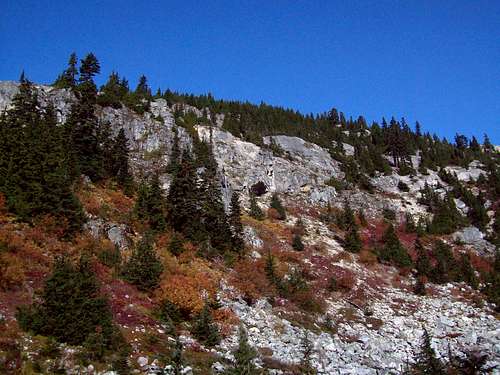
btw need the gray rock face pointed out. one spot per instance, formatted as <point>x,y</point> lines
<point>244,164</point>
<point>61,99</point>
<point>474,237</point>
<point>116,233</point>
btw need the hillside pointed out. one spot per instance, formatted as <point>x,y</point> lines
<point>334,245</point>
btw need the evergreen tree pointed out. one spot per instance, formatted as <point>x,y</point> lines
<point>244,356</point>
<point>182,199</point>
<point>204,329</point>
<point>352,242</point>
<point>392,250</point>
<point>67,80</point>
<point>297,243</point>
<point>143,269</point>
<point>176,359</point>
<point>120,167</point>
<point>141,203</point>
<point>235,223</point>
<point>467,271</point>
<point>446,266</point>
<point>70,309</point>
<point>276,204</point>
<point>113,92</point>
<point>346,219</point>
<point>270,268</point>
<point>307,351</point>
<point>176,245</point>
<point>255,210</point>
<point>34,169</point>
<point>82,125</point>
<point>427,362</point>
<point>423,262</point>
<point>155,205</point>
<point>175,154</point>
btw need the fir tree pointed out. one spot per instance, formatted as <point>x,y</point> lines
<point>255,210</point>
<point>141,203</point>
<point>278,206</point>
<point>467,271</point>
<point>307,351</point>
<point>235,223</point>
<point>155,205</point>
<point>67,80</point>
<point>423,262</point>
<point>352,242</point>
<point>182,199</point>
<point>120,167</point>
<point>392,250</point>
<point>176,245</point>
<point>70,309</point>
<point>175,154</point>
<point>446,265</point>
<point>204,329</point>
<point>143,269</point>
<point>83,126</point>
<point>427,362</point>
<point>297,243</point>
<point>244,356</point>
<point>34,169</point>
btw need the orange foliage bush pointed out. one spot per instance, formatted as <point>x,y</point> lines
<point>11,271</point>
<point>250,279</point>
<point>182,291</point>
<point>367,257</point>
<point>273,214</point>
<point>187,285</point>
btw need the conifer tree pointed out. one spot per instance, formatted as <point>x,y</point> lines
<point>67,79</point>
<point>204,329</point>
<point>423,263</point>
<point>446,265</point>
<point>176,245</point>
<point>255,210</point>
<point>235,223</point>
<point>243,356</point>
<point>352,240</point>
<point>71,308</point>
<point>82,124</point>
<point>141,203</point>
<point>307,351</point>
<point>155,205</point>
<point>467,271</point>
<point>175,154</point>
<point>120,167</point>
<point>143,269</point>
<point>392,250</point>
<point>278,206</point>
<point>297,242</point>
<point>34,170</point>
<point>182,199</point>
<point>113,92</point>
<point>427,362</point>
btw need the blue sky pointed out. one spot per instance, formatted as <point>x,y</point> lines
<point>433,61</point>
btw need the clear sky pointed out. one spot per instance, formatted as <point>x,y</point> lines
<point>433,61</point>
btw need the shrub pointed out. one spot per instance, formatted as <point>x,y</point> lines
<point>278,206</point>
<point>392,250</point>
<point>367,257</point>
<point>11,271</point>
<point>403,186</point>
<point>297,243</point>
<point>143,269</point>
<point>204,329</point>
<point>389,214</point>
<point>258,189</point>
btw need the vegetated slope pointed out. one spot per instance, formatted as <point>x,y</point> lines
<point>335,245</point>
